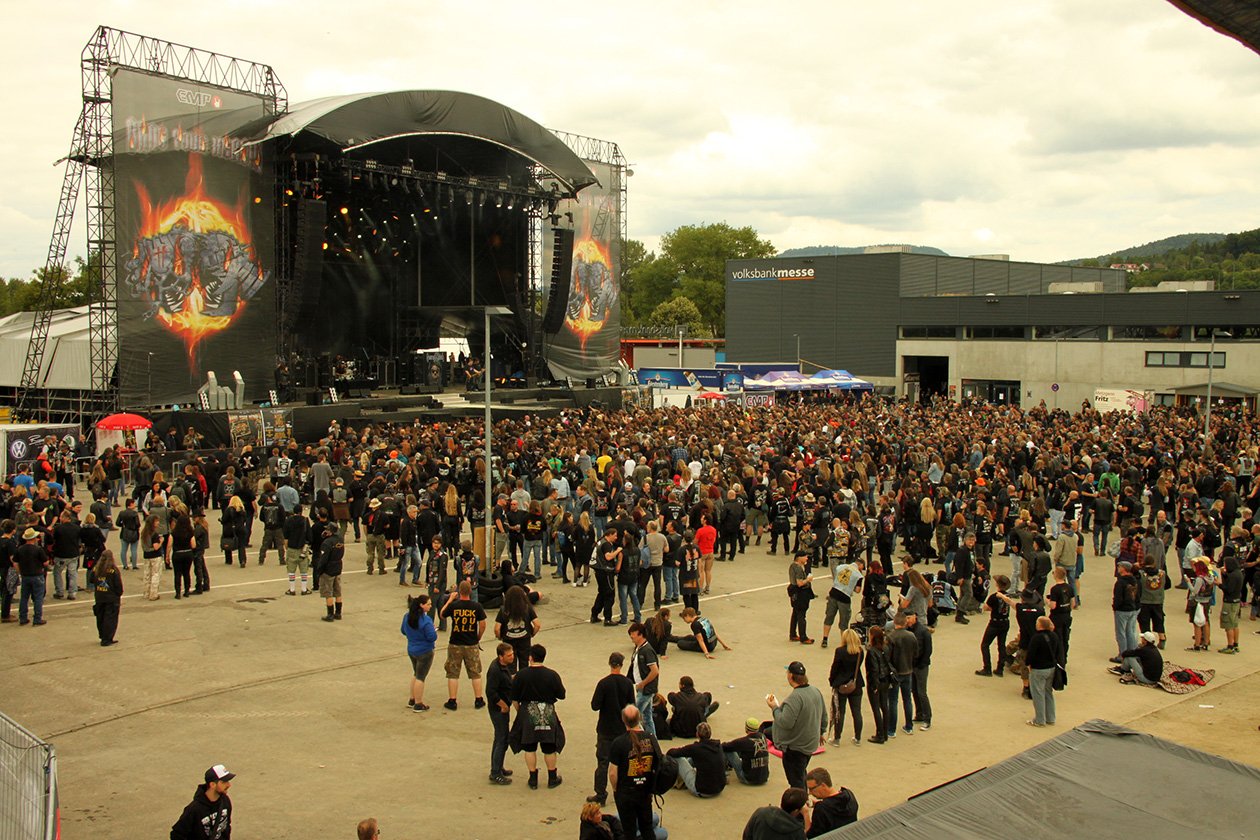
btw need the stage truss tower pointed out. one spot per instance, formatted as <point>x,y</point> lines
<point>90,162</point>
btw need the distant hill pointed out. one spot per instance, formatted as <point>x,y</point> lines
<point>1152,249</point>
<point>833,250</point>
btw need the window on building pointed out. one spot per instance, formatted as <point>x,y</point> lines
<point>1147,333</point>
<point>1158,358</point>
<point>1234,333</point>
<point>1070,333</point>
<point>995,332</point>
<point>929,332</point>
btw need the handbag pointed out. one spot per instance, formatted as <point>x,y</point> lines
<point>1059,681</point>
<point>845,689</point>
<point>1200,616</point>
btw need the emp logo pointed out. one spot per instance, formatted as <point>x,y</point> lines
<point>198,99</point>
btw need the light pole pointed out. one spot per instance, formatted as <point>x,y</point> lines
<point>797,336</point>
<point>1207,415</point>
<point>682,330</point>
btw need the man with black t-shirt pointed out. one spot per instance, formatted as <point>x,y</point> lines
<point>32,562</point>
<point>833,807</point>
<point>468,625</point>
<point>612,694</point>
<point>634,759</point>
<point>499,695</point>
<point>535,692</point>
<point>607,552</point>
<point>749,756</point>
<point>1124,607</point>
<point>645,672</point>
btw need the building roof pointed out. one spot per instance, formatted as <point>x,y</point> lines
<point>1099,778</point>
<point>1239,19</point>
<point>67,360</point>
<point>1219,389</point>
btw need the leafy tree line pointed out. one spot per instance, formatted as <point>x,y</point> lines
<point>686,282</point>
<point>1233,261</point>
<point>18,295</point>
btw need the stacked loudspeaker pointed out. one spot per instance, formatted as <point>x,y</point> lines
<point>561,279</point>
<point>308,263</point>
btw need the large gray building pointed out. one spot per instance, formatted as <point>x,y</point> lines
<point>1000,330</point>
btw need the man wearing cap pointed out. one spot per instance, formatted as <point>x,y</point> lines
<point>1143,664</point>
<point>799,723</point>
<point>32,562</point>
<point>749,756</point>
<point>209,815</point>
<point>612,694</point>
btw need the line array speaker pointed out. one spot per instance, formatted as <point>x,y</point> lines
<point>561,279</point>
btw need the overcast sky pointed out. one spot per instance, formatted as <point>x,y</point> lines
<point>1046,129</point>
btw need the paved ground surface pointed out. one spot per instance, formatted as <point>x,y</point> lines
<point>313,717</point>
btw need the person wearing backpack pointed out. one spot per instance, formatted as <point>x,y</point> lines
<point>271,514</point>
<point>634,761</point>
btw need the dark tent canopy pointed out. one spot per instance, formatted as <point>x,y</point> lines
<point>353,121</point>
<point>1239,19</point>
<point>1098,779</point>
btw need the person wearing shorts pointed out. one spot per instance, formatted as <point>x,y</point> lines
<point>468,625</point>
<point>332,553</point>
<point>1232,587</point>
<point>535,692</point>
<point>421,638</point>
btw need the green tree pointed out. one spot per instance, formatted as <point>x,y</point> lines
<point>634,255</point>
<point>675,312</point>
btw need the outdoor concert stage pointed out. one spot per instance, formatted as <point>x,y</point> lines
<point>229,229</point>
<point>264,426</point>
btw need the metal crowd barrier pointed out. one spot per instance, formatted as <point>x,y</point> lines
<point>29,808</point>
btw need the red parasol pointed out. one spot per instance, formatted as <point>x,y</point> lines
<point>124,423</point>
<point>709,395</point>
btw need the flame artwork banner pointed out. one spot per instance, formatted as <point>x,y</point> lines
<point>588,344</point>
<point>194,239</point>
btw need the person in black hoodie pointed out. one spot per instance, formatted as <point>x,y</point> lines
<point>328,565</point>
<point>107,589</point>
<point>209,815</point>
<point>702,764</point>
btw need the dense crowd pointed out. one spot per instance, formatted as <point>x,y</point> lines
<point>862,494</point>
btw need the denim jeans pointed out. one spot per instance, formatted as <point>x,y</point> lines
<point>1101,531</point>
<point>600,523</point>
<point>922,705</point>
<point>410,558</point>
<point>66,576</point>
<point>134,549</point>
<point>1126,629</point>
<point>1134,667</point>
<point>629,591</point>
<point>671,582</point>
<point>901,685</point>
<point>736,763</point>
<point>535,548</point>
<point>1056,521</point>
<point>1039,684</point>
<point>33,589</point>
<point>643,702</point>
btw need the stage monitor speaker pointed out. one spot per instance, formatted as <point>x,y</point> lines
<point>314,397</point>
<point>308,261</point>
<point>561,280</point>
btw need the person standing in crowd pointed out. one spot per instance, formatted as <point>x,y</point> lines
<point>107,589</point>
<point>1044,655</point>
<point>846,685</point>
<point>421,640</point>
<point>627,574</point>
<point>846,584</point>
<point>209,815</point>
<point>645,672</point>
<point>1061,599</point>
<point>689,571</point>
<point>922,665</point>
<point>834,807</point>
<point>374,537</point>
<point>33,564</point>
<point>1199,599</point>
<point>879,680</point>
<point>903,651</point>
<point>468,625</point>
<point>706,541</point>
<point>1124,606</point>
<point>435,568</point>
<point>328,567</point>
<point>153,544</point>
<point>800,593</point>
<point>749,756</point>
<point>1153,583</point>
<point>607,559</point>
<point>535,692</point>
<point>701,764</point>
<point>271,514</point>
<point>634,759</point>
<point>800,723</point>
<point>998,606</point>
<point>612,694</point>
<point>66,547</point>
<point>1232,585</point>
<point>129,533</point>
<point>10,577</point>
<point>657,545</point>
<point>499,705</point>
<point>517,623</point>
<point>296,531</point>
<point>964,568</point>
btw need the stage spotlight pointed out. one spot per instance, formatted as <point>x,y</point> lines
<point>468,196</point>
<point>345,210</point>
<point>511,201</point>
<point>498,202</point>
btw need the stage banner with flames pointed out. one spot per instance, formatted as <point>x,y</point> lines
<point>589,343</point>
<point>194,238</point>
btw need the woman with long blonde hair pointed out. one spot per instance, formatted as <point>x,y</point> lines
<point>846,685</point>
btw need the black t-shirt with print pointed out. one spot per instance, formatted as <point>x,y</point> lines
<point>636,755</point>
<point>464,616</point>
<point>999,610</point>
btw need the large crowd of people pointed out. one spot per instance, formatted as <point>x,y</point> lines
<point>860,497</point>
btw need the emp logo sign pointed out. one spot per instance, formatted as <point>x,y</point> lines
<point>197,98</point>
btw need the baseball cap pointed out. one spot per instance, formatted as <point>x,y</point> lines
<point>219,773</point>
<point>752,725</point>
<point>797,668</point>
<point>1150,637</point>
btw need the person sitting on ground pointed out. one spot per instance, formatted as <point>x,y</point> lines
<point>749,756</point>
<point>789,821</point>
<point>660,718</point>
<point>834,807</point>
<point>596,825</point>
<point>701,764</point>
<point>691,708</point>
<point>1142,665</point>
<point>703,637</point>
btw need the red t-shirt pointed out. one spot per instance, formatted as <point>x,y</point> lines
<point>706,539</point>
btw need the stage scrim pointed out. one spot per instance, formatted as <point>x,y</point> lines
<point>194,233</point>
<point>589,342</point>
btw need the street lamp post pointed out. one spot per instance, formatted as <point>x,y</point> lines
<point>682,330</point>
<point>1207,415</point>
<point>797,336</point>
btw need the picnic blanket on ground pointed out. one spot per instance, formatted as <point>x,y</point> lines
<point>1173,686</point>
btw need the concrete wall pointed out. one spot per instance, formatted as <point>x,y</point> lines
<point>1079,367</point>
<point>667,357</point>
